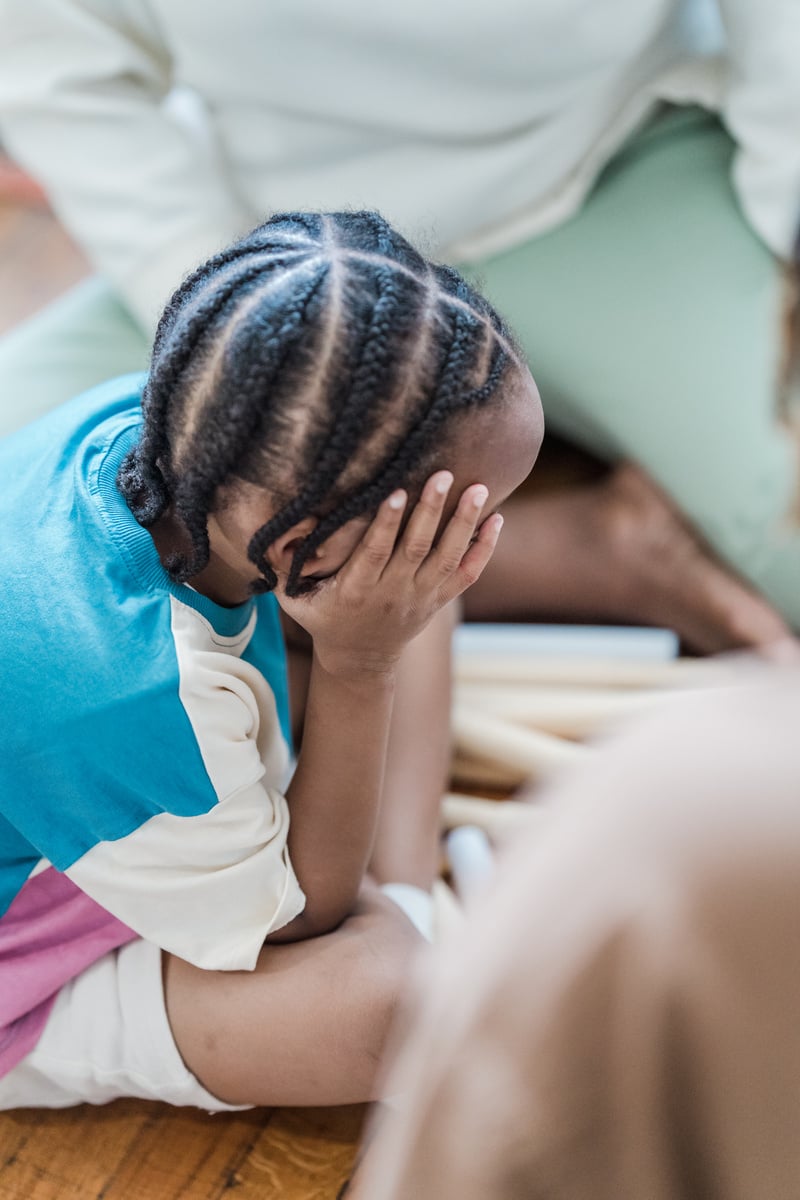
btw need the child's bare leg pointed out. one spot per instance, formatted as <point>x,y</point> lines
<point>617,550</point>
<point>308,1025</point>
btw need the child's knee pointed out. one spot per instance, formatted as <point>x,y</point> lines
<point>384,971</point>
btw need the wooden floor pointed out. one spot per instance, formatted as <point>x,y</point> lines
<point>132,1150</point>
<point>137,1151</point>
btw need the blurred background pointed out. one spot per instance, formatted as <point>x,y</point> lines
<point>38,259</point>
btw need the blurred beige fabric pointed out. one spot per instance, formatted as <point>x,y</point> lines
<point>621,1017</point>
<point>472,127</point>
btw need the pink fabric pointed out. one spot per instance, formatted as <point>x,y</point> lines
<point>51,933</point>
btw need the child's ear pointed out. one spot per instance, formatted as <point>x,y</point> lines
<point>327,558</point>
<point>280,553</point>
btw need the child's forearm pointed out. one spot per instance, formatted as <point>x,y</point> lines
<point>334,797</point>
<point>418,752</point>
<point>417,761</point>
<point>389,589</point>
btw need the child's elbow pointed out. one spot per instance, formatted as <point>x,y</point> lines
<point>314,921</point>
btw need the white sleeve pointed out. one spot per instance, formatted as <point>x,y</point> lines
<point>82,90</point>
<point>761,107</point>
<point>207,888</point>
<point>207,875</point>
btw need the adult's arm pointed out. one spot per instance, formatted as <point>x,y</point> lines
<point>761,107</point>
<point>82,90</point>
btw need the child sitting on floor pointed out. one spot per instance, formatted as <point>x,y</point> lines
<point>328,426</point>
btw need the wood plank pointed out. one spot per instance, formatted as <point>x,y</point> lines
<point>184,1153</point>
<point>131,1150</point>
<point>302,1153</point>
<point>61,1154</point>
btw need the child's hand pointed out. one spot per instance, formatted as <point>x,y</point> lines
<point>385,594</point>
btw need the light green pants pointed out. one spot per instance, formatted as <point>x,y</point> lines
<point>651,322</point>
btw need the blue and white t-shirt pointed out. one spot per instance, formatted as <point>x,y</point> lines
<point>145,730</point>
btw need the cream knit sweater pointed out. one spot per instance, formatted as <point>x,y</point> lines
<point>471,124</point>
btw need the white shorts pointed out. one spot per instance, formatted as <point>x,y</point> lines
<point>108,1036</point>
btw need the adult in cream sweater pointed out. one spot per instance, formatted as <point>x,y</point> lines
<point>633,239</point>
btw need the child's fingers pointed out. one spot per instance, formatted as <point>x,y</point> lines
<point>476,558</point>
<point>373,552</point>
<point>459,532</point>
<point>415,545</point>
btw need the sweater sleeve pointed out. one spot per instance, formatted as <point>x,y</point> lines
<point>761,107</point>
<point>82,91</point>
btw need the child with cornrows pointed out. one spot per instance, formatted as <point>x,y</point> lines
<point>327,428</point>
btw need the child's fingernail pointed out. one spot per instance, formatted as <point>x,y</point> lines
<point>498,523</point>
<point>397,500</point>
<point>480,496</point>
<point>443,483</point>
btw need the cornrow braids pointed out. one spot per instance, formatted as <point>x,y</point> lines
<point>213,458</point>
<point>409,460</point>
<point>357,402</point>
<point>141,478</point>
<point>319,357</point>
